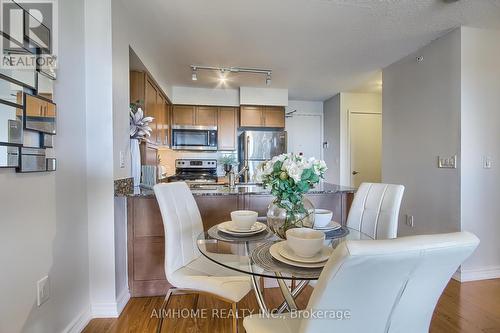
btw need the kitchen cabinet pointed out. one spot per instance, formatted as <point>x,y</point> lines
<point>145,92</point>
<point>206,116</point>
<point>146,248</point>
<point>183,115</point>
<point>274,116</point>
<point>151,109</point>
<point>262,116</point>
<point>227,126</point>
<point>190,115</point>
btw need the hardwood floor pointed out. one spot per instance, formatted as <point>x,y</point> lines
<point>469,307</point>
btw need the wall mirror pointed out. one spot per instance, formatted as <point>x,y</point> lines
<point>23,76</point>
<point>40,114</point>
<point>45,86</point>
<point>9,157</point>
<point>11,124</point>
<point>11,92</point>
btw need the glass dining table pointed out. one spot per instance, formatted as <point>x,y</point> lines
<point>251,255</point>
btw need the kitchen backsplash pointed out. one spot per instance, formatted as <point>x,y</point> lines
<point>168,157</point>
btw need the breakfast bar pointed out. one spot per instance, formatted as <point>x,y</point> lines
<point>145,235</point>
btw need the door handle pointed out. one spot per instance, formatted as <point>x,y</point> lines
<point>354,173</point>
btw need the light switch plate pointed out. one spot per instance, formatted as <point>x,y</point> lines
<point>43,290</point>
<point>122,159</point>
<point>447,162</point>
<point>487,162</point>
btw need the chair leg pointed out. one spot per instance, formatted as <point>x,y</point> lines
<point>262,286</point>
<point>164,306</point>
<point>235,317</point>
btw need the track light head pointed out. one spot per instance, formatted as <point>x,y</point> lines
<point>268,79</point>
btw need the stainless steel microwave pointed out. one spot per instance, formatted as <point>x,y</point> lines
<point>186,137</point>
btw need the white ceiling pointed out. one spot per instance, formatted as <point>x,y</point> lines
<point>315,48</point>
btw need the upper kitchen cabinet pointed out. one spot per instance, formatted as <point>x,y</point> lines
<point>145,92</point>
<point>183,115</point>
<point>262,116</point>
<point>206,116</point>
<point>189,115</point>
<point>274,116</point>
<point>227,122</point>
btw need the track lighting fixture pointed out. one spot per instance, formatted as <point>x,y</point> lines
<point>225,70</point>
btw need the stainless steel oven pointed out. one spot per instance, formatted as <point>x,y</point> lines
<point>194,137</point>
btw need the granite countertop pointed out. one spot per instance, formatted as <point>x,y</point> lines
<point>221,190</point>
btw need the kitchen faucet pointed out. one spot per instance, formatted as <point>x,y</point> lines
<point>232,176</point>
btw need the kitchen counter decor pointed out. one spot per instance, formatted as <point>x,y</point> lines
<point>289,177</point>
<point>139,130</point>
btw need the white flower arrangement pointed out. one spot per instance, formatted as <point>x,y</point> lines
<point>292,166</point>
<point>289,177</point>
<point>139,125</point>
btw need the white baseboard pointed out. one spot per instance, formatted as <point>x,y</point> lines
<point>477,274</point>
<point>104,310</point>
<point>79,323</point>
<point>122,300</point>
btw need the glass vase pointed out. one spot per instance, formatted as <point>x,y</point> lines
<point>282,216</point>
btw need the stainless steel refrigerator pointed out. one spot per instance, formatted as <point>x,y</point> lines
<point>258,146</point>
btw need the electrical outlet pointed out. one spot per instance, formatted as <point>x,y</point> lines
<point>487,163</point>
<point>122,159</point>
<point>409,220</point>
<point>43,290</point>
<point>447,162</point>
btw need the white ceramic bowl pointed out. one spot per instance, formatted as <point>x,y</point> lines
<point>244,219</point>
<point>322,217</point>
<point>305,242</point>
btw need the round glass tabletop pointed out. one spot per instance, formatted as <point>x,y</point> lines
<point>252,256</point>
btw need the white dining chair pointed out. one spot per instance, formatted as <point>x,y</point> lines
<point>375,210</point>
<point>186,269</point>
<point>378,286</point>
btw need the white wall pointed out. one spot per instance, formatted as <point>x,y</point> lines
<point>100,197</point>
<point>332,136</point>
<point>205,96</point>
<point>263,96</point>
<point>44,215</point>
<point>480,137</point>
<point>129,32</point>
<point>421,120</point>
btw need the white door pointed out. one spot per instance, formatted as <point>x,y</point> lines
<point>365,131</point>
<point>305,135</point>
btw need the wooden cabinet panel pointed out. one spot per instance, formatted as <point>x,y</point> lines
<point>149,257</point>
<point>137,81</point>
<point>166,123</point>
<point>274,116</point>
<point>160,114</point>
<point>258,203</point>
<point>147,218</point>
<point>151,108</point>
<point>183,115</point>
<point>251,116</point>
<point>227,125</point>
<point>206,116</point>
<point>216,209</point>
